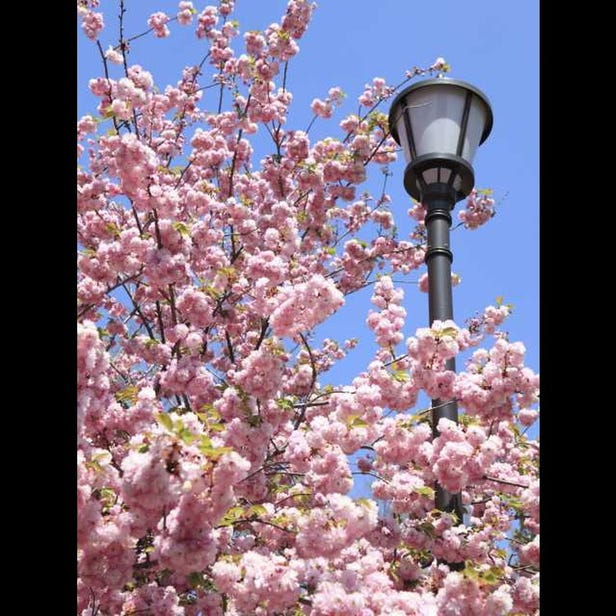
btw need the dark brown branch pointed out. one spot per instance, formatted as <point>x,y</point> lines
<point>159,317</point>
<point>187,403</point>
<point>123,282</point>
<point>123,49</point>
<point>145,322</point>
<point>106,68</point>
<point>229,347</point>
<point>138,36</point>
<point>286,498</point>
<point>84,310</point>
<point>302,413</point>
<point>371,474</point>
<point>509,483</point>
<point>267,523</point>
<point>264,326</point>
<point>234,161</point>
<point>159,241</point>
<point>222,86</point>
<point>174,316</point>
<point>300,405</point>
<point>284,76</point>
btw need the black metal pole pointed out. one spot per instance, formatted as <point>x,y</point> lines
<point>439,199</point>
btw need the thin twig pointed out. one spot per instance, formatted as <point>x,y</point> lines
<point>229,347</point>
<point>106,68</point>
<point>509,483</point>
<point>137,308</point>
<point>302,413</point>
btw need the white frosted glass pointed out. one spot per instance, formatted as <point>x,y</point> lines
<point>402,136</point>
<point>436,114</point>
<point>444,175</point>
<point>431,176</point>
<point>477,118</point>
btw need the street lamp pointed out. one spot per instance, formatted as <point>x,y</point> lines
<point>440,123</point>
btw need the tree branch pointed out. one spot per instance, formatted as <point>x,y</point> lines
<point>509,483</point>
<point>302,413</point>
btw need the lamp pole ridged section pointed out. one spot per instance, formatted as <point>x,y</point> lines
<point>439,199</point>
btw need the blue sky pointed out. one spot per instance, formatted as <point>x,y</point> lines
<point>493,45</point>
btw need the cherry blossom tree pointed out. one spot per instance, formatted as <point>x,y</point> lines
<point>215,459</point>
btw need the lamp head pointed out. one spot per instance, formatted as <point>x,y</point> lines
<point>439,123</point>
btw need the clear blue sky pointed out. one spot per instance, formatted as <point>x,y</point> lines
<point>494,45</point>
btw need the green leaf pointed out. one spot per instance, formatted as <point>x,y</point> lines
<point>470,572</point>
<point>112,228</point>
<point>196,579</point>
<point>285,403</point>
<point>358,422</point>
<point>425,491</point>
<point>229,271</point>
<point>181,228</point>
<point>492,576</point>
<point>211,291</point>
<point>254,421</point>
<point>205,444</point>
<point>165,421</point>
<point>281,520</point>
<point>452,332</point>
<point>127,394</point>
<point>233,515</point>
<point>211,452</point>
<point>186,436</point>
<point>499,301</point>
<point>257,510</point>
<point>468,420</point>
<point>107,498</point>
<point>402,376</point>
<point>428,528</point>
<point>94,466</point>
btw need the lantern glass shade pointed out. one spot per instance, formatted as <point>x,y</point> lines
<point>440,123</point>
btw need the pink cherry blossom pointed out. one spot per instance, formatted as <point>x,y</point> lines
<point>91,22</point>
<point>300,307</point>
<point>158,22</point>
<point>479,209</point>
<point>322,109</point>
<point>185,13</point>
<point>113,55</point>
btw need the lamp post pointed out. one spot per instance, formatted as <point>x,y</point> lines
<point>440,123</point>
